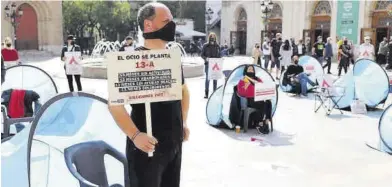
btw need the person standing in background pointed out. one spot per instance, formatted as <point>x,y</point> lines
<point>318,50</point>
<point>301,48</point>
<point>389,67</point>
<point>344,51</point>
<point>266,53</point>
<point>9,53</point>
<point>286,52</point>
<point>210,50</point>
<point>128,45</point>
<point>328,54</point>
<point>382,52</point>
<point>294,47</point>
<point>366,50</point>
<point>71,47</point>
<point>256,55</point>
<point>276,43</point>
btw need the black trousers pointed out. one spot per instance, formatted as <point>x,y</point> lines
<point>328,64</point>
<point>70,82</point>
<point>259,61</point>
<point>264,108</point>
<point>161,170</point>
<point>381,59</point>
<point>344,63</point>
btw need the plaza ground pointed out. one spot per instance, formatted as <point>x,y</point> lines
<point>306,148</point>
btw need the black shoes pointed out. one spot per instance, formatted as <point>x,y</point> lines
<point>263,129</point>
<point>206,95</point>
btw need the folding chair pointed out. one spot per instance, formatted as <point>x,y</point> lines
<point>328,96</point>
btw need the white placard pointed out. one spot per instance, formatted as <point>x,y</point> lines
<point>73,63</point>
<point>144,76</point>
<point>309,69</point>
<point>265,91</point>
<point>215,68</point>
<point>358,107</point>
<point>366,52</point>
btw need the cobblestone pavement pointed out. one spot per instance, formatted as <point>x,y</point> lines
<point>306,149</point>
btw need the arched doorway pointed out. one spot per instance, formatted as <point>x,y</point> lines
<point>381,23</point>
<point>27,30</point>
<point>274,23</point>
<point>320,22</point>
<point>241,31</point>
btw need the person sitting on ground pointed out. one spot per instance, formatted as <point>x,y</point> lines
<point>246,88</point>
<point>128,45</point>
<point>9,53</point>
<point>295,74</point>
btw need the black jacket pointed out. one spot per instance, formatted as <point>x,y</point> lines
<point>2,70</point>
<point>210,51</point>
<point>65,49</point>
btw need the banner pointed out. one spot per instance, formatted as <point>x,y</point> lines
<point>265,91</point>
<point>144,76</point>
<point>215,68</point>
<point>73,63</point>
<point>309,68</point>
<point>347,20</point>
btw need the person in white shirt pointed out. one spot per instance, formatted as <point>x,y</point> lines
<point>128,45</point>
<point>366,50</point>
<point>71,47</point>
<point>266,48</point>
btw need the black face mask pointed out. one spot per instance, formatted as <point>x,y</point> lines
<point>345,42</point>
<point>8,45</point>
<point>295,61</point>
<point>257,46</point>
<point>73,43</point>
<point>166,33</point>
<point>280,39</point>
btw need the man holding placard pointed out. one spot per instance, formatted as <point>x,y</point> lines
<point>209,52</point>
<point>72,56</point>
<point>155,79</point>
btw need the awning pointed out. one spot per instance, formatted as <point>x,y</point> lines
<point>189,33</point>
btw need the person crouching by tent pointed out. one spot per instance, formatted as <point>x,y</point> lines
<point>128,45</point>
<point>71,46</point>
<point>246,88</point>
<point>10,55</point>
<point>210,50</point>
<point>295,73</point>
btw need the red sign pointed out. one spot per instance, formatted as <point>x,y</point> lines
<point>309,68</point>
<point>215,67</point>
<point>325,84</point>
<point>73,61</point>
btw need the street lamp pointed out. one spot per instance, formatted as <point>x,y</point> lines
<point>209,13</point>
<point>266,8</point>
<point>13,14</point>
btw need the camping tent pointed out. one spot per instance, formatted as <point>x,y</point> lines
<point>34,157</point>
<point>310,65</point>
<point>367,81</point>
<point>28,77</point>
<point>218,105</point>
<point>385,129</point>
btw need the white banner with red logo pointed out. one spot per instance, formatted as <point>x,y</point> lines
<point>265,91</point>
<point>309,68</point>
<point>144,76</point>
<point>215,69</point>
<point>73,63</point>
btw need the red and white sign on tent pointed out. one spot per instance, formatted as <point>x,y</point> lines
<point>215,70</point>
<point>265,91</point>
<point>309,68</point>
<point>73,63</point>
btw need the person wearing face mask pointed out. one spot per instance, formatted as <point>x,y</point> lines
<point>366,50</point>
<point>168,119</point>
<point>382,51</point>
<point>246,88</point>
<point>71,47</point>
<point>318,50</point>
<point>301,48</point>
<point>345,56</point>
<point>328,54</point>
<point>266,53</point>
<point>295,47</point>
<point>276,43</point>
<point>128,45</point>
<point>10,54</point>
<point>256,55</point>
<point>210,50</point>
<point>295,75</point>
<point>286,53</point>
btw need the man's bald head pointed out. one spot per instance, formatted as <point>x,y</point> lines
<point>153,16</point>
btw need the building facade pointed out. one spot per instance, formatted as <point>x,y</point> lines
<point>243,24</point>
<point>40,27</point>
